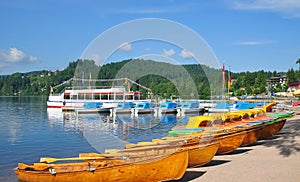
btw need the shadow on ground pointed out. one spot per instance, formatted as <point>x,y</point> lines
<point>237,151</point>
<point>190,175</point>
<point>287,141</point>
<point>215,162</point>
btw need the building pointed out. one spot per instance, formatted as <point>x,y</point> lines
<point>293,86</point>
<point>275,80</point>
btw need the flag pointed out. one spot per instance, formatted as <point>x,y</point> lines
<point>51,90</point>
<point>229,79</point>
<point>229,82</point>
<point>223,74</point>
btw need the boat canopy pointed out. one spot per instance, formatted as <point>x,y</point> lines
<point>125,105</point>
<point>92,105</point>
<point>145,105</point>
<point>168,105</point>
<point>190,105</point>
<point>223,105</point>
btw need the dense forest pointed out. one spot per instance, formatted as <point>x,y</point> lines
<point>166,80</point>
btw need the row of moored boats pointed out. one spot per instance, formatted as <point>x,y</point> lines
<point>167,158</point>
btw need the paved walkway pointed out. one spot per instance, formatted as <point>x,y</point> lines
<point>276,159</point>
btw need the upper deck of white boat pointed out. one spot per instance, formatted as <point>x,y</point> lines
<point>94,90</point>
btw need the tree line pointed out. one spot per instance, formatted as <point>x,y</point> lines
<point>166,80</point>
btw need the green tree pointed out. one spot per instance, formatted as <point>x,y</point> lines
<point>291,76</point>
<point>298,62</point>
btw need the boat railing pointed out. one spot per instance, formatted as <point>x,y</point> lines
<point>87,88</point>
<point>91,87</point>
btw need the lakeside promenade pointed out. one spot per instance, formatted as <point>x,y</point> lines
<point>276,159</point>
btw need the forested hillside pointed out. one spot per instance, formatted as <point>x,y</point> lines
<point>164,79</point>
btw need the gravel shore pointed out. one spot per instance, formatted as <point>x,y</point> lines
<point>276,159</point>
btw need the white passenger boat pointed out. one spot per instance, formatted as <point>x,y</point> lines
<point>76,96</point>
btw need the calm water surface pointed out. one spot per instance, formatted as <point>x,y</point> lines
<point>28,131</point>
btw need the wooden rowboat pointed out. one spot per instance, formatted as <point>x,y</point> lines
<point>199,156</point>
<point>271,128</point>
<point>200,151</point>
<point>149,168</point>
<point>230,142</point>
<point>252,136</point>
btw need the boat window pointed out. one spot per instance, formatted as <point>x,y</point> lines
<point>66,96</point>
<point>74,97</point>
<point>128,97</point>
<point>137,97</point>
<point>119,97</point>
<point>111,97</point>
<point>80,96</point>
<point>96,97</point>
<point>88,96</point>
<point>104,97</point>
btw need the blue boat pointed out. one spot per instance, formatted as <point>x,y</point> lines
<point>221,107</point>
<point>168,107</point>
<point>191,107</point>
<point>92,108</point>
<point>243,105</point>
<point>144,108</point>
<point>124,107</point>
<point>92,105</point>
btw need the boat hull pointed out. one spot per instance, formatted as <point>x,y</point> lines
<point>192,110</point>
<point>169,167</point>
<point>93,110</point>
<point>252,136</point>
<point>271,129</point>
<point>144,111</point>
<point>124,111</point>
<point>230,142</point>
<point>168,111</point>
<point>201,155</point>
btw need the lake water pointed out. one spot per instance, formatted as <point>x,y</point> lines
<point>28,131</point>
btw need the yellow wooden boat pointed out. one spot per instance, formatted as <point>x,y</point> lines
<point>201,155</point>
<point>230,142</point>
<point>139,168</point>
<point>252,136</point>
<point>201,151</point>
<point>229,137</point>
<point>270,129</point>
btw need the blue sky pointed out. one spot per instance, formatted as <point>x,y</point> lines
<point>247,35</point>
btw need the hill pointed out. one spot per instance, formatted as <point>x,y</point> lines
<point>165,79</point>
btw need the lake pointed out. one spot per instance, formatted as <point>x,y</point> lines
<point>29,130</point>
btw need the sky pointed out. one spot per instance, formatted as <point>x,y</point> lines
<point>245,35</point>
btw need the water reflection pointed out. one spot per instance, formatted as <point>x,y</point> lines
<point>103,131</point>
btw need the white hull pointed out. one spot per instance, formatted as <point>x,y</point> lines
<point>192,110</point>
<point>168,111</point>
<point>109,97</point>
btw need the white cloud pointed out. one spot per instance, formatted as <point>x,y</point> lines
<point>254,43</point>
<point>186,54</point>
<point>170,52</point>
<point>14,56</point>
<point>32,58</point>
<point>289,8</point>
<point>125,46</point>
